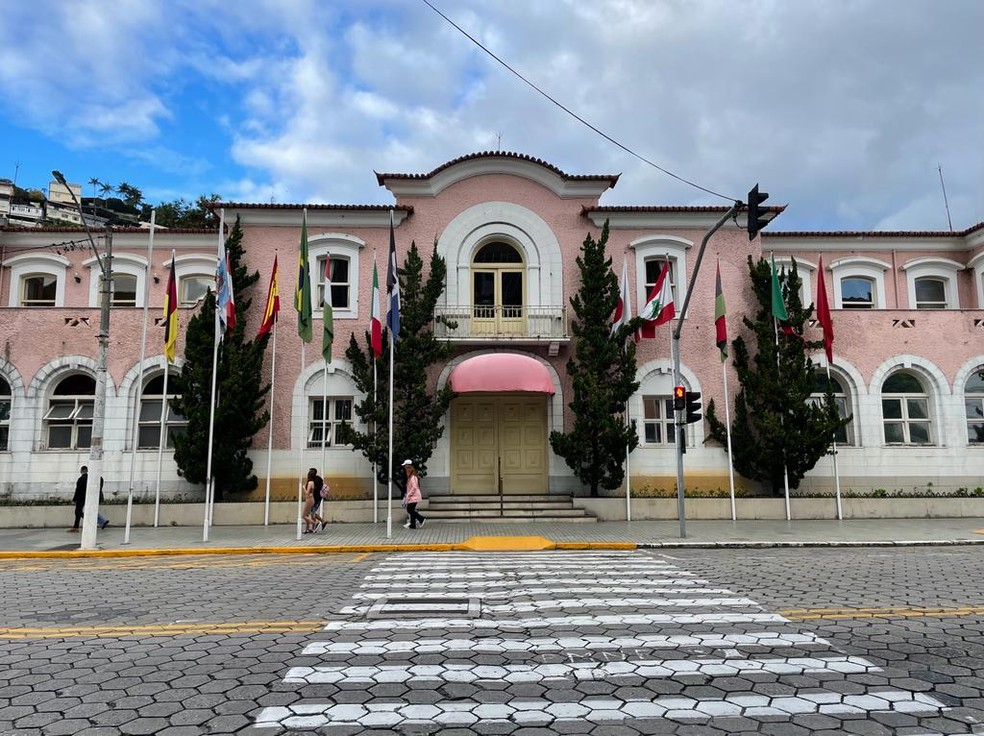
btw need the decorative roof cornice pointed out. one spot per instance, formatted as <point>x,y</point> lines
<point>318,215</point>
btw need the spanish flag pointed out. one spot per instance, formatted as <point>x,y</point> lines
<point>170,315</point>
<point>272,304</point>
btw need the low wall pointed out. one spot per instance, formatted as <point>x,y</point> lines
<point>606,509</point>
<point>613,509</point>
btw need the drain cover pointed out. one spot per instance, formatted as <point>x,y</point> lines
<point>424,607</point>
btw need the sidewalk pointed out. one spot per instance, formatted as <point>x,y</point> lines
<point>282,538</point>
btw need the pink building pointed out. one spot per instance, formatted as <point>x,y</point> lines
<point>908,312</point>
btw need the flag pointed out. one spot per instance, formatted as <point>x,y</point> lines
<point>170,315</point>
<point>778,306</point>
<point>375,322</point>
<point>623,311</point>
<point>272,310</point>
<point>393,288</point>
<point>659,309</point>
<point>225,301</point>
<point>302,294</point>
<point>328,318</point>
<point>720,319</point>
<point>823,315</point>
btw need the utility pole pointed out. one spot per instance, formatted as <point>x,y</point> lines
<point>105,259</point>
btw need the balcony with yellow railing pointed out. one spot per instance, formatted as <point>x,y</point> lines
<point>498,323</point>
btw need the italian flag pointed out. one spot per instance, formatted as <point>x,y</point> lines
<point>376,323</point>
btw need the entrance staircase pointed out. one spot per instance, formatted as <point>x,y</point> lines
<point>509,508</point>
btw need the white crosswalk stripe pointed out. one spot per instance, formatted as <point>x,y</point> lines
<point>642,600</point>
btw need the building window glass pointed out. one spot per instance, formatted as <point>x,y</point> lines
<point>498,252</point>
<point>194,288</point>
<point>845,434</point>
<point>974,407</point>
<point>930,293</point>
<point>498,291</point>
<point>857,292</point>
<point>124,290</point>
<point>339,411</point>
<point>340,283</point>
<point>905,411</point>
<point>658,420</point>
<point>653,268</point>
<point>68,421</point>
<point>149,432</point>
<point>39,290</point>
<point>4,415</point>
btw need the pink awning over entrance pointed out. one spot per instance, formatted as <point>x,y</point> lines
<point>498,372</point>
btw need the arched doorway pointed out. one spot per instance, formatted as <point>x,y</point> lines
<point>498,290</point>
<point>499,425</point>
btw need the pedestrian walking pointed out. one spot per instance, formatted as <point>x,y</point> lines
<point>312,500</point>
<point>319,493</point>
<point>412,496</point>
<point>79,499</point>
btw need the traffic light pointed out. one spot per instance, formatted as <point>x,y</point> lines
<point>758,216</point>
<point>679,397</point>
<point>693,407</point>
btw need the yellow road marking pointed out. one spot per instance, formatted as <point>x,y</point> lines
<point>360,558</point>
<point>803,614</point>
<point>182,629</point>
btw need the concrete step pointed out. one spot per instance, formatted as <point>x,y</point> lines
<point>495,505</point>
<point>516,519</point>
<point>521,513</point>
<point>490,497</point>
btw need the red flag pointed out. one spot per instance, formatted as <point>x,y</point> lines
<point>720,317</point>
<point>272,303</point>
<point>823,314</point>
<point>623,310</point>
<point>659,309</point>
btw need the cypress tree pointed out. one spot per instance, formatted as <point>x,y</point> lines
<point>603,372</point>
<point>418,411</point>
<point>776,427</point>
<point>241,391</point>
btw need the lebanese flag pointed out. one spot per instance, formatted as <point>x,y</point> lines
<point>376,322</point>
<point>659,309</point>
<point>623,311</point>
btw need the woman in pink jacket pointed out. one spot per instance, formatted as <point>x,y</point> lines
<point>412,497</point>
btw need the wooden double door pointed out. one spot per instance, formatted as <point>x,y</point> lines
<point>499,436</point>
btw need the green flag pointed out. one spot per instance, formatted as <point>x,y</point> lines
<point>778,306</point>
<point>302,295</point>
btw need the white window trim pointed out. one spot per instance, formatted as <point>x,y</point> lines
<point>977,263</point>
<point>940,268</point>
<point>660,246</point>
<point>860,266</point>
<point>192,265</point>
<point>806,272</point>
<point>344,246</point>
<point>31,264</point>
<point>123,263</point>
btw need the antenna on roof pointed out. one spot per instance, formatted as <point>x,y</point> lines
<point>945,202</point>
<point>498,142</point>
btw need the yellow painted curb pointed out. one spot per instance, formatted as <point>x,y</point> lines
<point>483,544</point>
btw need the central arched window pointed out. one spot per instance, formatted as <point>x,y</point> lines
<point>844,435</point>
<point>930,293</point>
<point>857,292</point>
<point>905,410</point>
<point>340,281</point>
<point>151,401</point>
<point>68,421</point>
<point>498,292</point>
<point>4,414</point>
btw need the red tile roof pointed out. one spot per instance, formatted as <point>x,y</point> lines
<point>610,178</point>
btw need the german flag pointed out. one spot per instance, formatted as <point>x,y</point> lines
<point>170,315</point>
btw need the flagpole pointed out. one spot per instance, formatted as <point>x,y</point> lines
<point>209,489</point>
<point>727,426</point>
<point>389,454</point>
<point>375,429</point>
<point>837,483</point>
<point>628,489</point>
<point>273,393</point>
<point>300,485</point>
<point>160,449</point>
<point>143,352</point>
<point>775,331</point>
<point>324,418</point>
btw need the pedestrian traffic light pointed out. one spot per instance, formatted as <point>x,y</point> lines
<point>693,407</point>
<point>679,397</point>
<point>758,216</point>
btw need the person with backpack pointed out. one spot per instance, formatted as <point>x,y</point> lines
<point>314,492</point>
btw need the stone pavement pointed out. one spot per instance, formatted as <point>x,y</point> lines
<point>494,536</point>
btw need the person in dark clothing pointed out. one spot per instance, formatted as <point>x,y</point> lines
<point>79,499</point>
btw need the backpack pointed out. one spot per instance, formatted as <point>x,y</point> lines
<point>320,487</point>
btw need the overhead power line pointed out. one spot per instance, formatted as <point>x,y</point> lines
<point>573,114</point>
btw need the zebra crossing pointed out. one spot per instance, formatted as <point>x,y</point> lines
<point>482,640</point>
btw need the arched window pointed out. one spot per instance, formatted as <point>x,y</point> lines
<point>498,292</point>
<point>974,407</point>
<point>68,421</point>
<point>193,288</point>
<point>149,425</point>
<point>4,414</point>
<point>323,432</point>
<point>844,435</point>
<point>38,290</point>
<point>124,290</point>
<point>930,293</point>
<point>857,292</point>
<point>932,282</point>
<point>658,421</point>
<point>340,281</point>
<point>905,410</point>
<point>654,267</point>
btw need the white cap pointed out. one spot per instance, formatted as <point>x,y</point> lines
<point>407,462</point>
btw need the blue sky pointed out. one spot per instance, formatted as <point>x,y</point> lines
<point>843,109</point>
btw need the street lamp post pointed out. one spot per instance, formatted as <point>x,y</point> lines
<point>105,260</point>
